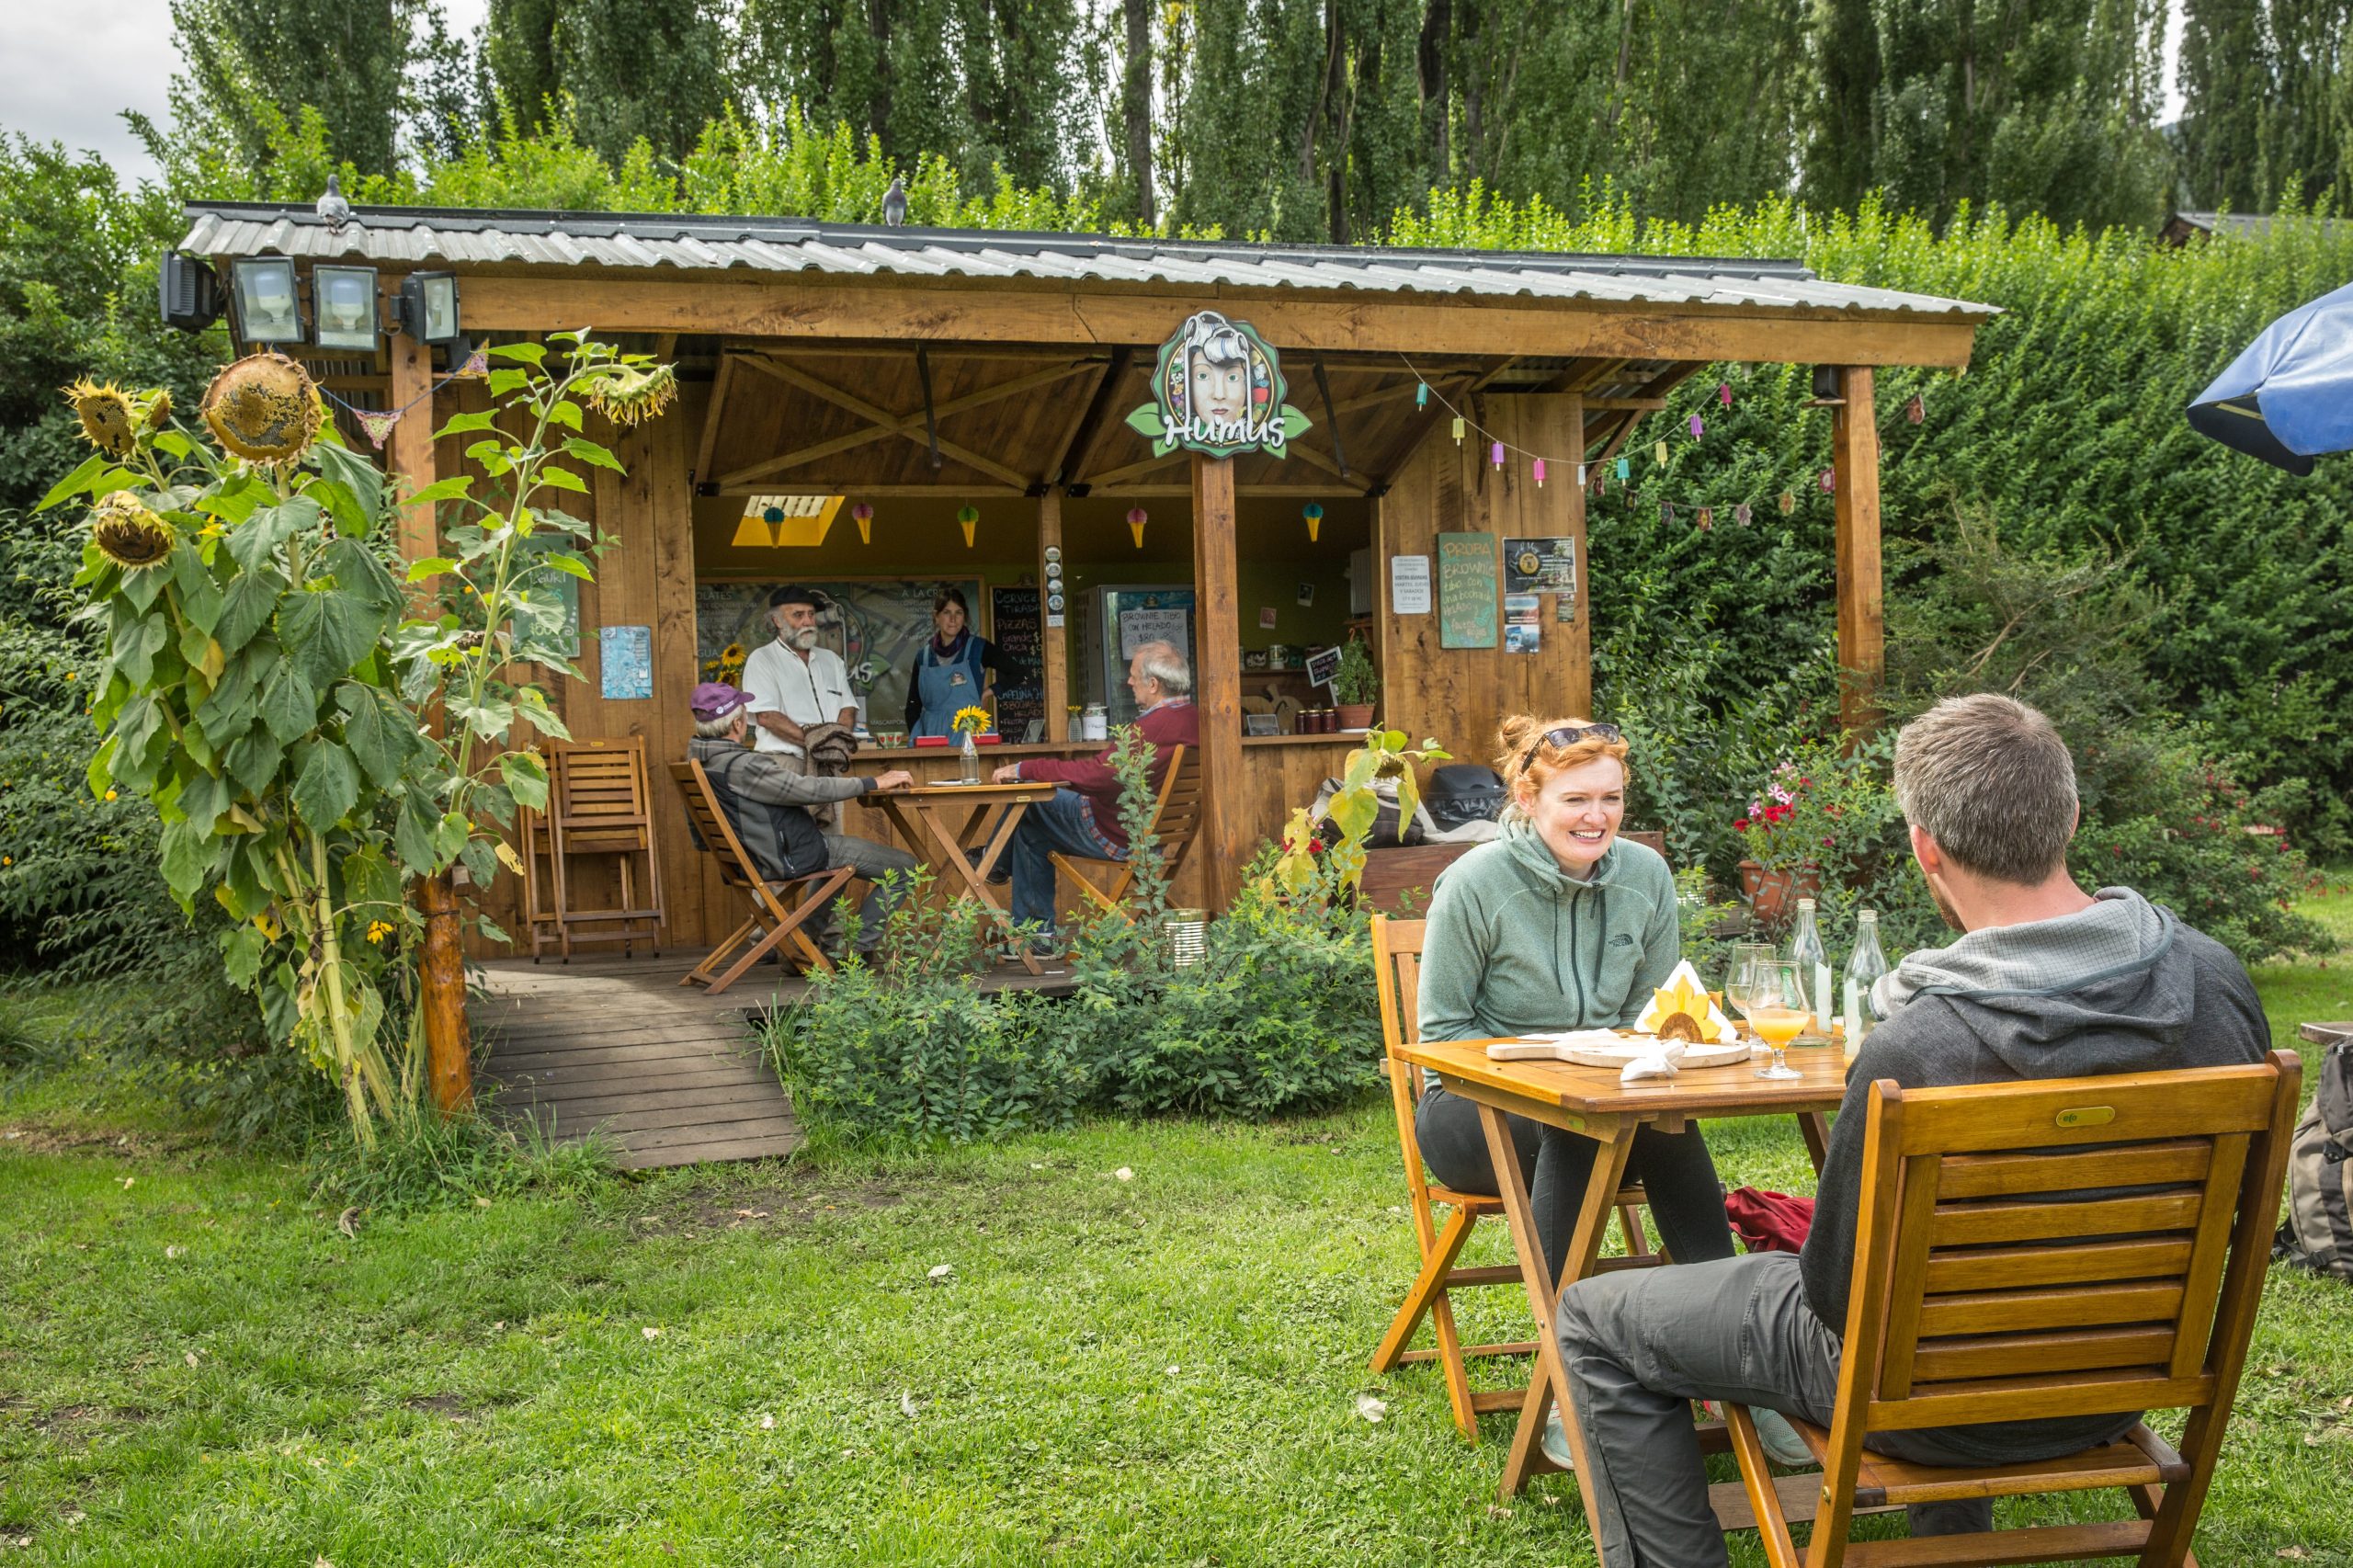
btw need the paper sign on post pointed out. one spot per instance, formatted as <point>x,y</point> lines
<point>1409,585</point>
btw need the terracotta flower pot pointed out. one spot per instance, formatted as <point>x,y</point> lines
<point>1770,892</point>
<point>1355,715</point>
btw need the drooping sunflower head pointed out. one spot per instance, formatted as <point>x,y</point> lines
<point>108,418</point>
<point>629,394</point>
<point>158,406</point>
<point>264,408</point>
<point>129,534</point>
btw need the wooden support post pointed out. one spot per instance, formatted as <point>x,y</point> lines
<point>1217,681</point>
<point>1053,639</point>
<point>441,974</point>
<point>1862,654</point>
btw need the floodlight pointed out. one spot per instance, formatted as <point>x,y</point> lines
<point>269,309</point>
<point>342,308</point>
<point>187,292</point>
<point>430,308</point>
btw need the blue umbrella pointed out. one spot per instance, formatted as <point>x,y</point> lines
<point>2290,397</point>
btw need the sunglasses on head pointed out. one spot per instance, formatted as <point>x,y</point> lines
<point>1569,735</point>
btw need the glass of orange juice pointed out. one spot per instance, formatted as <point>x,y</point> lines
<point>1770,994</point>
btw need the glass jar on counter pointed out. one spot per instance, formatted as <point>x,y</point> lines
<point>1095,724</point>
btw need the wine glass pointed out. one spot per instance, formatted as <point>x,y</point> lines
<point>1743,955</point>
<point>1772,994</point>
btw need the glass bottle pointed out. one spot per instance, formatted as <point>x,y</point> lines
<point>970,755</point>
<point>1813,966</point>
<point>1863,970</point>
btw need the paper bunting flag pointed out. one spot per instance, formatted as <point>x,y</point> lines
<point>1697,429</point>
<point>1915,410</point>
<point>1707,520</point>
<point>1829,481</point>
<point>1659,451</point>
<point>1723,393</point>
<point>377,423</point>
<point>1789,501</point>
<point>1741,514</point>
<point>477,364</point>
<point>1625,468</point>
<point>1666,511</point>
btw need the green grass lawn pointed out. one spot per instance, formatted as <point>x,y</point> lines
<point>752,1364</point>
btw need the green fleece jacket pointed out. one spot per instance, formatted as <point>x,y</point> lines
<point>1516,945</point>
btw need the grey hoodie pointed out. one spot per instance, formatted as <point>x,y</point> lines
<point>2120,987</point>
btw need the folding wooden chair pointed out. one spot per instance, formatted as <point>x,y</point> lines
<point>780,909</point>
<point>1175,817</point>
<point>2077,1246</point>
<point>598,803</point>
<point>1397,963</point>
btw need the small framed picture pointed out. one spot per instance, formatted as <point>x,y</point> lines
<point>1261,724</point>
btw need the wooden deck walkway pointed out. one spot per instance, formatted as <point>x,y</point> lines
<point>669,1072</point>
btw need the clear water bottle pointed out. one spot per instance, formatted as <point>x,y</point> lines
<point>1864,970</point>
<point>970,757</point>
<point>1813,967</point>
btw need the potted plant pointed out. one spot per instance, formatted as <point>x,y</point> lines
<point>1822,815</point>
<point>1355,688</point>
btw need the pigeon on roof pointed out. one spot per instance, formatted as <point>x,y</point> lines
<point>331,206</point>
<point>894,203</point>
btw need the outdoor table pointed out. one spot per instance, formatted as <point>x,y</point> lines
<point>2327,1033</point>
<point>919,815</point>
<point>1591,1101</point>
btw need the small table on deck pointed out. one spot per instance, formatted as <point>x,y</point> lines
<point>1591,1101</point>
<point>2327,1033</point>
<point>917,813</point>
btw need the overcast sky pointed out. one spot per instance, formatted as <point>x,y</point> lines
<point>73,66</point>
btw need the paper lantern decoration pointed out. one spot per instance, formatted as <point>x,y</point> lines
<point>1458,429</point>
<point>1697,429</point>
<point>864,514</point>
<point>970,515</point>
<point>1421,394</point>
<point>1495,454</point>
<point>1313,513</point>
<point>1137,517</point>
<point>1539,473</point>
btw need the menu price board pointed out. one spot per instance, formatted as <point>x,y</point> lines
<point>1013,622</point>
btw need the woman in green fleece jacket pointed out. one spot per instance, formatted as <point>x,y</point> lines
<point>1559,924</point>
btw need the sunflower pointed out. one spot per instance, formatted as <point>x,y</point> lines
<point>263,408</point>
<point>109,417</point>
<point>970,720</point>
<point>127,534</point>
<point>159,408</point>
<point>732,655</point>
<point>629,394</point>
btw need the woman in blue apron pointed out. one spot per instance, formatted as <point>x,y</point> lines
<point>951,671</point>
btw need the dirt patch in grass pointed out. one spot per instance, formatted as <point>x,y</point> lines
<point>452,1405</point>
<point>768,1206</point>
<point>32,1138</point>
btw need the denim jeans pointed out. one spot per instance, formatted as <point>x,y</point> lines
<point>1686,1198</point>
<point>1060,822</point>
<point>1642,1344</point>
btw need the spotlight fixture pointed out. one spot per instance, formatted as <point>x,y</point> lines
<point>1829,387</point>
<point>187,292</point>
<point>342,308</point>
<point>430,308</point>
<point>269,309</point>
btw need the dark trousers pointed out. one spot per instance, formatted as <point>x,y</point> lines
<point>1686,1200</point>
<point>1642,1344</point>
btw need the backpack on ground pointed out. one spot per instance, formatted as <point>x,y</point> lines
<point>2316,1228</point>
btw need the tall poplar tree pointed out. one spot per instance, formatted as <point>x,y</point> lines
<point>655,69</point>
<point>2225,86</point>
<point>249,61</point>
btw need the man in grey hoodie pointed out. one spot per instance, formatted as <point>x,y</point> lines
<point>2045,982</point>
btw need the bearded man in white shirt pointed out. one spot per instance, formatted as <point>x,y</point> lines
<point>795,685</point>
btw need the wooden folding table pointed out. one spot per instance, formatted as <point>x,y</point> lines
<point>1591,1101</point>
<point>991,813</point>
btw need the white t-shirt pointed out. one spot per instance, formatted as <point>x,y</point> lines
<point>810,691</point>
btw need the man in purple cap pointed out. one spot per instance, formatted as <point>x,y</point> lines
<point>772,804</point>
<point>795,684</point>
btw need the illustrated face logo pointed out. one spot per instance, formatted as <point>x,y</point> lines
<point>1218,388</point>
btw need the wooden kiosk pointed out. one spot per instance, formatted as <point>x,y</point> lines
<point>928,373</point>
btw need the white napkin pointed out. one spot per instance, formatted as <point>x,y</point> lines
<point>1659,1064</point>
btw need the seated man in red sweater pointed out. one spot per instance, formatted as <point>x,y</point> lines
<point>1083,817</point>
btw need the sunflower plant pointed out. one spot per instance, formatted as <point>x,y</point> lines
<point>316,738</point>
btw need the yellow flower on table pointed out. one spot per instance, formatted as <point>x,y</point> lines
<point>970,720</point>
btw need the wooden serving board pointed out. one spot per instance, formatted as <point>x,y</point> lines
<point>1616,1056</point>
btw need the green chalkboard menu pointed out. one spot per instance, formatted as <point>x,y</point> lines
<point>1466,590</point>
<point>1013,627</point>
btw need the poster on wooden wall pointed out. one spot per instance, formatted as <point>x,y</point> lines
<point>1013,611</point>
<point>625,662</point>
<point>1466,590</point>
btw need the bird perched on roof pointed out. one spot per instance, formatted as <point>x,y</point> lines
<point>331,206</point>
<point>894,203</point>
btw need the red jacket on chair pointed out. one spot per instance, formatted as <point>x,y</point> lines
<point>1172,723</point>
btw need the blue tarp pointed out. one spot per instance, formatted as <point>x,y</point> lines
<point>2290,397</point>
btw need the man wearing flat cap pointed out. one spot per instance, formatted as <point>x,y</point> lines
<point>781,811</point>
<point>795,685</point>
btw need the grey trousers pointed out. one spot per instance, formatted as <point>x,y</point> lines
<point>873,862</point>
<point>1642,1344</point>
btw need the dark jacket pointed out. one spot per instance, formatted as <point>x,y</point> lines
<point>767,802</point>
<point>2176,999</point>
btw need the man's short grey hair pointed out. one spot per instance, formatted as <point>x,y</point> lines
<point>717,729</point>
<point>1990,780</point>
<point>1164,663</point>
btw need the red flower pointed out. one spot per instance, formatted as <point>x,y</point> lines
<point>1826,841</point>
<point>1741,826</point>
<point>1316,846</point>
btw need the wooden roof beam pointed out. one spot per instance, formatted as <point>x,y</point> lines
<point>1080,434</point>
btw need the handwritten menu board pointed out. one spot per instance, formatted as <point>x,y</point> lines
<point>1466,590</point>
<point>1013,627</point>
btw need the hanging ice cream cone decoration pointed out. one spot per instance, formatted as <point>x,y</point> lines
<point>1458,429</point>
<point>1137,518</point>
<point>1539,473</point>
<point>970,517</point>
<point>1313,513</point>
<point>864,515</point>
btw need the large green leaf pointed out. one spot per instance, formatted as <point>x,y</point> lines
<point>563,479</point>
<point>526,777</point>
<point>529,353</point>
<point>327,633</point>
<point>254,541</point>
<point>189,854</point>
<point>242,950</point>
<point>412,835</point>
<point>247,608</point>
<point>357,570</point>
<point>202,800</point>
<point>327,786</point>
<point>453,488</point>
<point>361,481</point>
<point>253,759</point>
<point>134,656</point>
<point>290,704</point>
<point>459,424</point>
<point>590,452</point>
<point>136,732</point>
<point>370,878</point>
<point>77,482</point>
<point>377,731</point>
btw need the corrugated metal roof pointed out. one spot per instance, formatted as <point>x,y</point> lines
<point>457,237</point>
